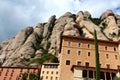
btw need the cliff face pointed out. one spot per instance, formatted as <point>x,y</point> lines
<point>31,43</point>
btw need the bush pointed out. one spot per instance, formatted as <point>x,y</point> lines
<point>24,76</point>
<point>87,79</point>
<point>33,76</point>
<point>116,78</point>
<point>45,58</point>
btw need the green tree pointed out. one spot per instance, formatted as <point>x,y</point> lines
<point>45,58</point>
<point>87,79</point>
<point>97,56</point>
<point>24,76</point>
<point>33,76</point>
<point>116,78</point>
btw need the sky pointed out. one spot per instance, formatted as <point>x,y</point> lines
<point>18,14</point>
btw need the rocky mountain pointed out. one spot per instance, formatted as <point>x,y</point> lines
<point>30,43</point>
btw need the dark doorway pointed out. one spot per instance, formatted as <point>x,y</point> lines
<point>102,76</point>
<point>84,73</point>
<point>90,74</point>
<point>113,75</point>
<point>107,75</point>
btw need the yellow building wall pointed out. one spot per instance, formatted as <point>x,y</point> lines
<point>47,73</point>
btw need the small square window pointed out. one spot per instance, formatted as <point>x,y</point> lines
<point>52,72</point>
<point>88,53</point>
<point>116,57</point>
<point>47,72</point>
<point>42,77</point>
<point>79,52</point>
<point>105,47</point>
<point>56,78</point>
<point>87,64</point>
<point>51,78</point>
<point>46,77</point>
<point>108,66</point>
<point>114,49</point>
<point>100,65</point>
<point>57,72</point>
<point>43,72</point>
<point>67,62</point>
<point>107,56</point>
<point>79,44</point>
<point>69,43</point>
<point>68,51</point>
<point>79,63</point>
<point>118,67</point>
<point>88,45</point>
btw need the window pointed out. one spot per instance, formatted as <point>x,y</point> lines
<point>55,66</point>
<point>52,72</point>
<point>107,56</point>
<point>57,72</point>
<point>90,74</point>
<point>67,62</point>
<point>88,45</point>
<point>69,43</point>
<point>47,72</point>
<point>56,78</point>
<point>100,65</point>
<point>108,66</point>
<point>88,53</point>
<point>51,78</point>
<point>84,72</point>
<point>115,56</point>
<point>118,67</point>
<point>79,52</point>
<point>79,63</point>
<point>42,77</point>
<point>87,64</point>
<point>43,72</point>
<point>68,51</point>
<point>105,47</point>
<point>51,66</point>
<point>79,44</point>
<point>114,49</point>
<point>46,77</point>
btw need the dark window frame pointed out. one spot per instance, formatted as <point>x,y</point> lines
<point>88,53</point>
<point>67,62</point>
<point>79,53</point>
<point>68,51</point>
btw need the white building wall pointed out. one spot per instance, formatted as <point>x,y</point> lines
<point>77,74</point>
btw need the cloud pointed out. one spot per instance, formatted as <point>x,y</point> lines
<point>17,14</point>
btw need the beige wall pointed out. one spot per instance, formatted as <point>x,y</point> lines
<point>74,57</point>
<point>50,72</point>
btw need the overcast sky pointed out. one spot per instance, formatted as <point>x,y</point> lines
<point>18,14</point>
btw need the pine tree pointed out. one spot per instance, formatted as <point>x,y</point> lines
<point>96,56</point>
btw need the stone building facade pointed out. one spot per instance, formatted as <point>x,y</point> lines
<point>77,58</point>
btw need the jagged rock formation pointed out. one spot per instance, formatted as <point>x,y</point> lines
<point>88,26</point>
<point>110,22</point>
<point>31,43</point>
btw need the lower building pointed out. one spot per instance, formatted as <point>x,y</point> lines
<point>15,73</point>
<point>50,71</point>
